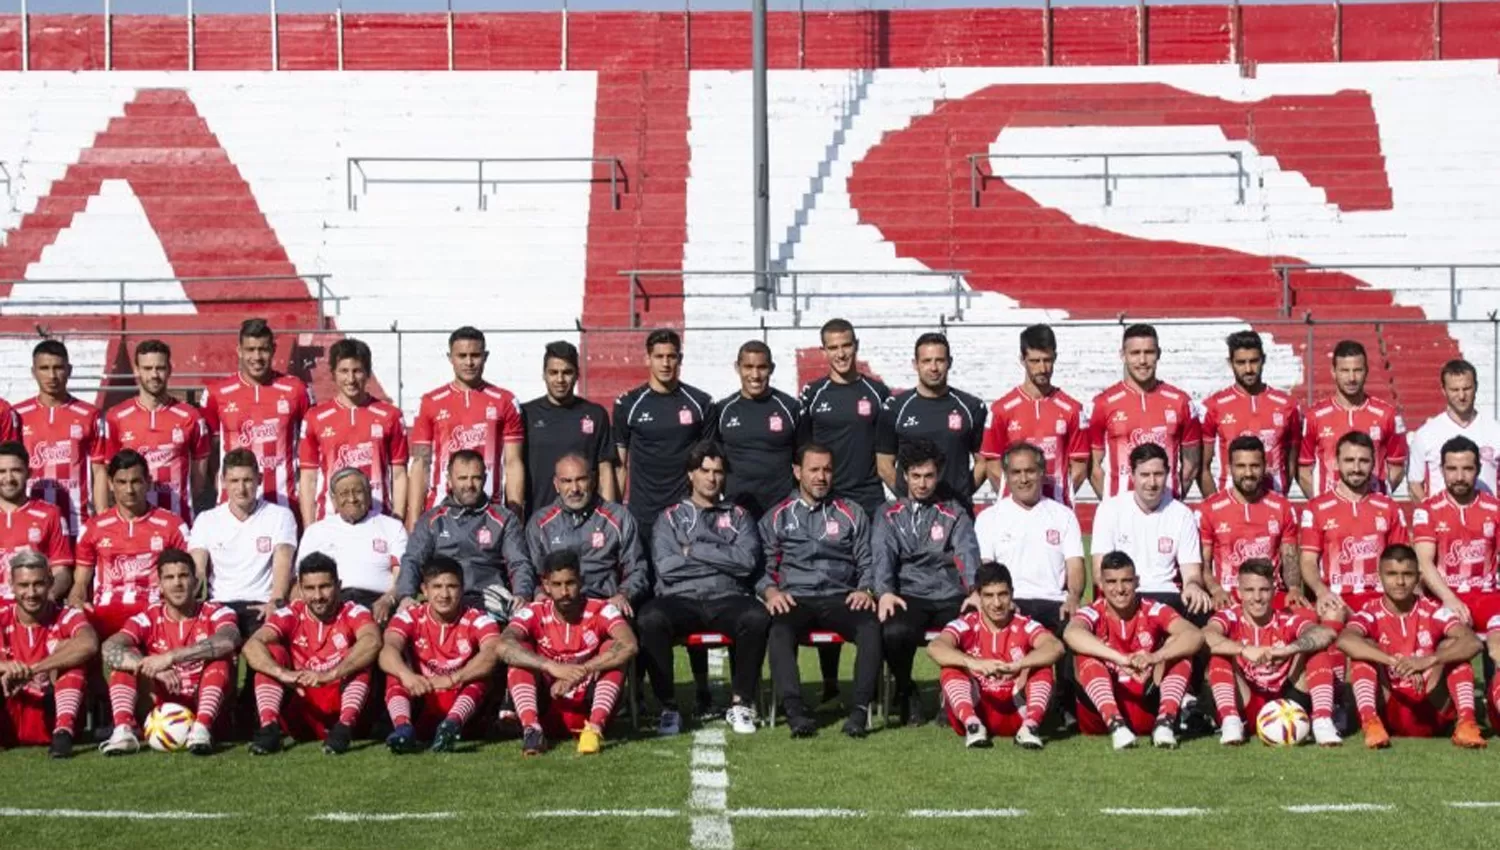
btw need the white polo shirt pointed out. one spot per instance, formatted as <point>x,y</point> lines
<point>367,552</point>
<point>1035,543</point>
<point>1158,542</point>
<point>1426,460</point>
<point>240,551</point>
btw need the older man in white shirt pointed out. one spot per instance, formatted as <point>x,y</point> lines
<point>366,544</point>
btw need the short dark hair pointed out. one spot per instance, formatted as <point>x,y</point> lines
<point>1139,331</point>
<point>1354,438</point>
<point>919,451</point>
<point>441,565</point>
<point>174,556</point>
<point>706,450</point>
<point>664,336</point>
<point>1348,348</point>
<point>834,326</point>
<point>1245,341</point>
<point>467,333</point>
<point>1398,552</point>
<point>255,329</point>
<point>53,347</point>
<point>932,338</point>
<point>17,450</point>
<point>1457,367</point>
<point>467,456</point>
<point>241,458</point>
<point>127,459</point>
<point>348,348</point>
<point>992,572</point>
<point>318,562</point>
<point>560,559</point>
<point>152,346</point>
<point>1023,448</point>
<point>1259,567</point>
<point>1115,560</point>
<point>1246,443</point>
<point>1455,445</point>
<point>1147,452</point>
<point>1038,338</point>
<point>561,350</point>
<point>753,346</point>
<point>810,448</point>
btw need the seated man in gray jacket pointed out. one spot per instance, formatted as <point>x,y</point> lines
<point>707,556</point>
<point>819,576</point>
<point>925,557</point>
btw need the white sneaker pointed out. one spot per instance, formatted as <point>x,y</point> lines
<point>1026,739</point>
<point>741,719</point>
<point>1163,737</point>
<point>670,723</point>
<point>1121,738</point>
<point>200,742</point>
<point>1325,733</point>
<point>1232,732</point>
<point>122,742</point>
<point>975,735</point>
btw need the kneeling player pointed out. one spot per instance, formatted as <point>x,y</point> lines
<point>192,645</point>
<point>1261,654</point>
<point>1133,660</point>
<point>435,654</point>
<point>576,649</point>
<point>991,657</point>
<point>317,652</point>
<point>43,650</point>
<point>1400,646</point>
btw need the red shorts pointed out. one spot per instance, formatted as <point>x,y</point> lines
<point>566,715</point>
<point>1482,608</point>
<point>309,713</point>
<point>1138,701</point>
<point>26,721</point>
<point>1409,715</point>
<point>996,710</point>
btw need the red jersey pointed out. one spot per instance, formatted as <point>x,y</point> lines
<point>1010,642</point>
<point>1052,424</point>
<point>1330,421</point>
<point>171,438</point>
<point>314,644</point>
<point>1349,536</point>
<point>32,644</point>
<point>568,643</point>
<point>35,526</point>
<point>440,648</point>
<point>369,437</point>
<point>1124,417</point>
<point>267,420</point>
<point>1465,537</point>
<point>1271,415</point>
<point>123,552</point>
<point>1239,530</point>
<point>63,442</point>
<point>1145,631</point>
<point>10,423</point>
<point>1415,633</point>
<point>1285,627</point>
<point>154,631</point>
<point>452,418</point>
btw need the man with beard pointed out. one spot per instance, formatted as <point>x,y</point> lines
<point>30,525</point>
<point>951,418</point>
<point>1249,408</point>
<point>1350,408</point>
<point>560,422</point>
<point>1249,520</point>
<point>61,433</point>
<point>44,650</point>
<point>167,431</point>
<point>1139,409</point>
<point>1456,534</point>
<point>1039,414</point>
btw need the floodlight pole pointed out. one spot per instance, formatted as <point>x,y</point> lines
<point>761,299</point>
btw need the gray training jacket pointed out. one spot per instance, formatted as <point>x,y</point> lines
<point>604,536</point>
<point>925,550</point>
<point>486,539</point>
<point>705,553</point>
<point>816,550</point>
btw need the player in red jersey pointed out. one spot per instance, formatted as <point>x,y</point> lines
<point>167,431</point>
<point>575,650</point>
<point>119,549</point>
<point>1142,409</point>
<point>435,653</point>
<point>1345,530</point>
<point>1350,409</point>
<point>316,653</point>
<point>354,430</point>
<point>181,648</point>
<point>1456,534</point>
<point>27,525</point>
<point>10,423</point>
<point>262,410</point>
<point>1132,658</point>
<point>1249,521</point>
<point>44,650</point>
<point>992,656</point>
<point>1038,413</point>
<point>1250,408</point>
<point>1401,647</point>
<point>61,433</point>
<point>467,413</point>
<point>1262,653</point>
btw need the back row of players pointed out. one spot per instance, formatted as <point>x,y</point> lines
<point>1351,451</point>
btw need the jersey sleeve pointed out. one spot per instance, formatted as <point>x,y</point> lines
<point>1208,428</point>
<point>109,438</point>
<point>222,616</point>
<point>1310,538</point>
<point>512,424</point>
<point>956,629</point>
<point>202,441</point>
<point>55,544</point>
<point>1362,623</point>
<point>981,415</point>
<point>1205,522</point>
<point>71,623</point>
<point>87,552</point>
<point>1446,621</point>
<point>602,445</point>
<point>1102,538</point>
<point>526,623</point>
<point>92,445</point>
<point>1189,544</point>
<point>621,421</point>
<point>397,450</point>
<point>1416,461</point>
<point>996,436</point>
<point>176,536</point>
<point>309,454</point>
<point>1288,524</point>
<point>609,618</point>
<point>885,428</point>
<point>485,629</point>
<point>1078,437</point>
<point>1072,537</point>
<point>1164,616</point>
<point>210,411</point>
<point>1086,616</point>
<point>402,624</point>
<point>421,426</point>
<point>1307,455</point>
<point>282,621</point>
<point>1398,532</point>
<point>137,627</point>
<point>1395,447</point>
<point>1191,429</point>
<point>1421,526</point>
<point>1299,623</point>
<point>1224,619</point>
<point>1098,419</point>
<point>286,530</point>
<point>358,616</point>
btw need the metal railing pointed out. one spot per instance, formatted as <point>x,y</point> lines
<point>126,304</point>
<point>5,181</point>
<point>1455,292</point>
<point>1111,177</point>
<point>962,295</point>
<point>356,164</point>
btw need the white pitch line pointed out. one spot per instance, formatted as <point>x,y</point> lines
<point>708,794</point>
<point>795,813</point>
<point>381,817</point>
<point>1474,804</point>
<point>965,813</point>
<point>112,814</point>
<point>705,757</point>
<point>1159,813</point>
<point>1335,808</point>
<point>606,813</point>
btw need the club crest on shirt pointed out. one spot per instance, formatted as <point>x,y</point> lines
<point>463,646</point>
<point>1165,545</point>
<point>1060,427</point>
<point>1278,419</point>
<point>263,545</point>
<point>597,541</point>
<point>864,408</point>
<point>1171,417</point>
<point>33,535</point>
<point>75,432</point>
<point>283,407</point>
<point>377,431</point>
<point>177,435</point>
<point>955,421</point>
<point>1143,640</point>
<point>483,537</point>
<point>339,641</point>
<point>157,544</point>
<point>1375,433</point>
<point>831,528</point>
<point>1273,527</point>
<point>725,521</point>
<point>380,546</point>
<point>491,413</point>
<point>684,417</point>
<point>1424,640</point>
<point>1489,529</point>
<point>587,425</point>
<point>1054,537</point>
<point>937,532</point>
<point>774,423</point>
<point>1381,524</point>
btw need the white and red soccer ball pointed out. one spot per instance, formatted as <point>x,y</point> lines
<point>167,727</point>
<point>1282,723</point>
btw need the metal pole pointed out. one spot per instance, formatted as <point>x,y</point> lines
<point>109,52</point>
<point>338,23</point>
<point>762,177</point>
<point>1047,32</point>
<point>192,36</point>
<point>801,34</point>
<point>400,363</point>
<point>1307,367</point>
<point>1453,293</point>
<point>25,36</point>
<point>275,39</point>
<point>687,34</point>
<point>1338,30</point>
<point>1143,45</point>
<point>565,49</point>
<point>450,35</point>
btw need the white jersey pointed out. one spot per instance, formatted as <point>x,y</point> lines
<point>1426,463</point>
<point>240,552</point>
<point>1159,542</point>
<point>1035,543</point>
<point>367,551</point>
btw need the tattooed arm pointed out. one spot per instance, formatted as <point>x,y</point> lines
<point>120,653</point>
<point>221,644</point>
<point>1311,640</point>
<point>616,652</point>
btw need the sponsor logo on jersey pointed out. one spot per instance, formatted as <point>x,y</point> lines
<point>377,431</point>
<point>470,437</point>
<point>725,521</point>
<point>1060,427</point>
<point>1274,527</point>
<point>1381,524</point>
<point>831,528</point>
<point>34,535</point>
<point>51,454</point>
<point>283,407</point>
<point>380,546</point>
<point>1354,549</point>
<point>178,436</point>
<point>1375,433</point>
<point>491,413</point>
<point>157,543</point>
<point>358,456</point>
<point>75,431</point>
<point>252,432</point>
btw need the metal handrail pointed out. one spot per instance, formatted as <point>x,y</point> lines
<point>978,179</point>
<point>324,294</point>
<point>5,179</point>
<point>962,296</point>
<point>1455,294</point>
<point>356,163</point>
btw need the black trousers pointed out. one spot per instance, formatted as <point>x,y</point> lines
<point>667,619</point>
<point>824,613</point>
<point>905,632</point>
<point>1049,613</point>
<point>247,620</point>
<point>1173,600</point>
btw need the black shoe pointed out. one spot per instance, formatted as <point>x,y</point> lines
<point>337,742</point>
<point>402,740</point>
<point>912,712</point>
<point>62,745</point>
<point>857,726</point>
<point>533,742</point>
<point>266,740</point>
<point>445,737</point>
<point>801,725</point>
<point>830,695</point>
<point>705,710</point>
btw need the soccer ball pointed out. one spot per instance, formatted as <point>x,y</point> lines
<point>167,727</point>
<point>1282,723</point>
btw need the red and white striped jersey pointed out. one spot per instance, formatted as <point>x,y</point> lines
<point>36,527</point>
<point>1348,536</point>
<point>1466,537</point>
<point>1239,530</point>
<point>1285,626</point>
<point>316,645</point>
<point>154,631</point>
<point>32,644</point>
<point>1329,421</point>
<point>267,420</point>
<point>439,648</point>
<point>1052,423</point>
<point>1416,633</point>
<point>1271,415</point>
<point>558,640</point>
<point>452,418</point>
<point>171,437</point>
<point>1010,642</point>
<point>370,437</point>
<point>1123,417</point>
<point>1144,631</point>
<point>122,552</point>
<point>64,442</point>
